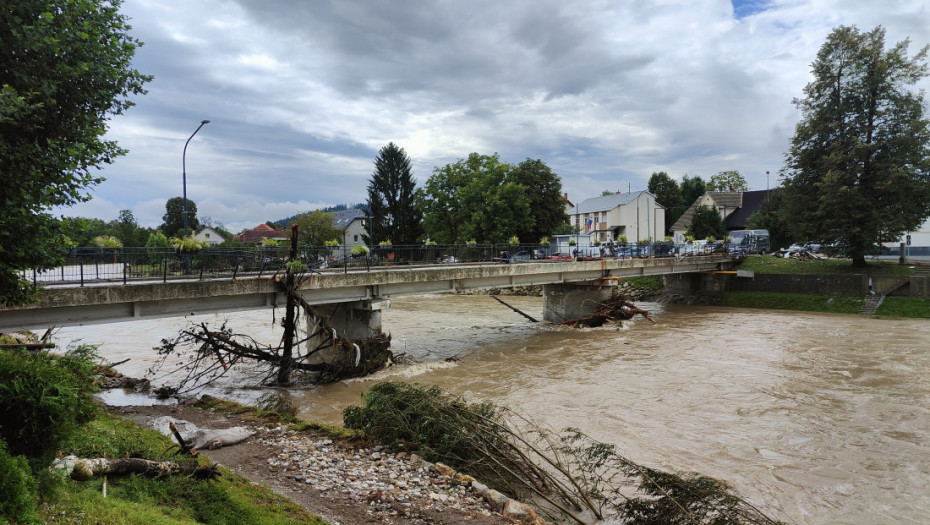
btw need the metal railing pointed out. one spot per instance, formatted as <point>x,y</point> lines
<point>114,265</point>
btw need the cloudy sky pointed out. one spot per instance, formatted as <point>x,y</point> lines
<point>301,94</point>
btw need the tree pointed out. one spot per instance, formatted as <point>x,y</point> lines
<point>80,231</point>
<point>391,204</point>
<point>316,227</point>
<point>691,189</point>
<point>667,194</point>
<point>547,205</point>
<point>173,225</point>
<point>771,216</point>
<point>707,223</point>
<point>65,70</point>
<point>727,181</point>
<point>858,170</point>
<point>128,231</point>
<point>473,199</point>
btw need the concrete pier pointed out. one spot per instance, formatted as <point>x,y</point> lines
<point>563,302</point>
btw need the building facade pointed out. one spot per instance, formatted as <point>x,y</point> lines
<point>635,216</point>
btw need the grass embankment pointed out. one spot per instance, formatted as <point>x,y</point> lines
<point>130,500</point>
<point>47,410</point>
<point>910,307</point>
<point>768,264</point>
<point>153,501</point>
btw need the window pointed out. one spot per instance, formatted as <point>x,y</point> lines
<point>356,238</point>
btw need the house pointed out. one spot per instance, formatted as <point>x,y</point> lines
<point>634,215</point>
<point>734,207</point>
<point>261,232</point>
<point>209,236</point>
<point>355,224</point>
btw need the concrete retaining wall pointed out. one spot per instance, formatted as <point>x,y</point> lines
<point>829,285</point>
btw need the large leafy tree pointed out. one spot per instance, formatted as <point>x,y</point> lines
<point>544,191</point>
<point>65,69</point>
<point>727,181</point>
<point>391,204</point>
<point>173,219</point>
<point>668,194</point>
<point>858,168</point>
<point>316,228</point>
<point>473,199</point>
<point>691,189</point>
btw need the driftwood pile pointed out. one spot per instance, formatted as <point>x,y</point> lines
<point>615,309</point>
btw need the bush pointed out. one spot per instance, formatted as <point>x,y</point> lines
<point>17,489</point>
<point>43,398</point>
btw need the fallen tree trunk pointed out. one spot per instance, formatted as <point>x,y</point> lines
<point>617,308</point>
<point>84,469</point>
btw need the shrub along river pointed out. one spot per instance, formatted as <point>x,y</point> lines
<point>814,418</point>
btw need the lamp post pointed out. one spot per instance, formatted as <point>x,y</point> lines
<point>184,172</point>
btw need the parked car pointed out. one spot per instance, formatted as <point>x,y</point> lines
<point>523,256</point>
<point>559,256</point>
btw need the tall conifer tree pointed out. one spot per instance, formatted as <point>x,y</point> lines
<point>858,169</point>
<point>391,199</point>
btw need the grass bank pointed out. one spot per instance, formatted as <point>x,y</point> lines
<point>792,301</point>
<point>907,307</point>
<point>768,264</point>
<point>140,500</point>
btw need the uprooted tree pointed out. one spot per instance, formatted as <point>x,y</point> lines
<point>570,475</point>
<point>212,352</point>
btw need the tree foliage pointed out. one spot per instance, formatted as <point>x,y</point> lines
<point>391,202</point>
<point>691,189</point>
<point>315,228</point>
<point>544,190</point>
<point>858,169</point>
<point>727,181</point>
<point>707,223</point>
<point>173,219</point>
<point>65,69</point>
<point>481,198</point>
<point>771,216</point>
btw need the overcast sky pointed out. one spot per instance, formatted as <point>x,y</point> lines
<point>301,94</point>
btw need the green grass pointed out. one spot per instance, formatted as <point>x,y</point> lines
<point>792,301</point>
<point>140,500</point>
<point>913,307</point>
<point>768,264</point>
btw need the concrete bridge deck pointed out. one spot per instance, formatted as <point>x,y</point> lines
<point>100,303</point>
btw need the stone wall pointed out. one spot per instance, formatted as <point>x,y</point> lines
<point>829,285</point>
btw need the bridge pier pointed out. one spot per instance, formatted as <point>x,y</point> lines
<point>357,320</point>
<point>562,302</point>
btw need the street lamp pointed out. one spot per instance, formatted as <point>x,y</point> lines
<point>184,172</point>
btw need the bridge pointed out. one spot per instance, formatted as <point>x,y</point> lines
<point>359,293</point>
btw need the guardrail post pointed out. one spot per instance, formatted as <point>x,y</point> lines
<point>202,263</point>
<point>123,253</point>
<point>165,270</point>
<point>82,270</point>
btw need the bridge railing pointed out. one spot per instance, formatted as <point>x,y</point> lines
<point>89,265</point>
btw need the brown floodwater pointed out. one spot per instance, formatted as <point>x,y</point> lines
<point>815,418</point>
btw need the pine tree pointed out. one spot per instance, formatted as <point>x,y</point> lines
<point>394,215</point>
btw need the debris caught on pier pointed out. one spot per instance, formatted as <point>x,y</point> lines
<point>615,309</point>
<point>211,353</point>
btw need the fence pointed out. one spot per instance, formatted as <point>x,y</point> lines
<point>88,265</point>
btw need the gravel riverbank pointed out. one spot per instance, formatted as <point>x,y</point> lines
<point>343,482</point>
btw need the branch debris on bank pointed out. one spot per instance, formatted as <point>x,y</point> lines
<point>210,353</point>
